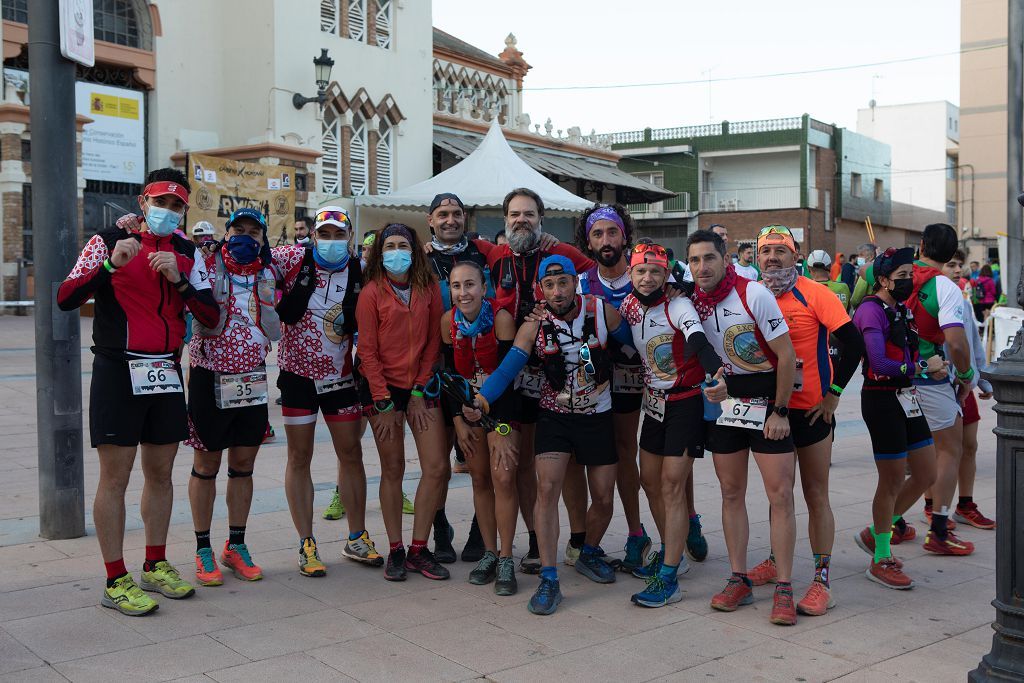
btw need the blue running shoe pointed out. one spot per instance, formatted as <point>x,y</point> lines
<point>546,598</point>
<point>658,593</point>
<point>650,569</point>
<point>592,566</point>
<point>637,548</point>
<point>696,544</point>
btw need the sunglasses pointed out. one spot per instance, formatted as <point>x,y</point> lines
<point>655,249</point>
<point>586,360</point>
<point>339,216</point>
<point>774,230</point>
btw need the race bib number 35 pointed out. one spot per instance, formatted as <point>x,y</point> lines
<point>156,376</point>
<point>749,413</point>
<point>241,390</point>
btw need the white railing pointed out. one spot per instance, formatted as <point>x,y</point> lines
<point>708,129</point>
<point>751,199</point>
<point>627,136</point>
<point>765,125</point>
<point>681,202</point>
<point>686,132</point>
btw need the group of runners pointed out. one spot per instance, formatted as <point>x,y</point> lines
<point>535,359</point>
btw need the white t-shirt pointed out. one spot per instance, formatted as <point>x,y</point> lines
<point>732,330</point>
<point>749,272</point>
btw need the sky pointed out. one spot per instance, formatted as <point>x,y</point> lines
<point>606,43</point>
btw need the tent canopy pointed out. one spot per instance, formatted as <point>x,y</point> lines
<point>482,180</point>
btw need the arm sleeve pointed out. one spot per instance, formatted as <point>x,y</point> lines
<point>368,351</point>
<point>504,374</point>
<point>874,345</point>
<point>698,345</point>
<point>201,304</point>
<point>852,349</point>
<point>86,277</point>
<point>622,334</point>
<point>433,322</point>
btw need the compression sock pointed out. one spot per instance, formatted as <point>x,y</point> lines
<point>900,524</point>
<point>236,535</point>
<point>115,570</point>
<point>154,554</point>
<point>576,539</point>
<point>821,561</point>
<point>939,521</point>
<point>202,540</point>
<point>882,547</point>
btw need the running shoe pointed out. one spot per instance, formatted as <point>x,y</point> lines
<point>970,515</point>
<point>474,549</point>
<point>683,567</point>
<point>658,593</point>
<point>236,558</point>
<point>950,524</point>
<point>505,583</point>
<point>571,554</point>
<point>443,550</point>
<point>651,569</point>
<point>816,601</point>
<point>309,560</point>
<point>735,593</point>
<point>530,564</point>
<point>889,573</point>
<point>335,510</point>
<point>593,566</point>
<point>423,561</point>
<point>546,598</point>
<point>951,545</point>
<point>485,571</point>
<point>269,434</point>
<point>394,570</point>
<point>909,533</point>
<point>165,580</point>
<point>460,466</point>
<point>766,572</point>
<point>866,541</point>
<point>637,548</point>
<point>127,598</point>
<point>207,571</point>
<point>783,610</point>
<point>696,544</point>
<point>362,550</point>
<point>407,507</point>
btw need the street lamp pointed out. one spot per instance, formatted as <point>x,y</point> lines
<point>322,65</point>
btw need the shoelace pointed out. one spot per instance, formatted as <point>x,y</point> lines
<point>784,597</point>
<point>206,557</point>
<point>309,550</point>
<point>506,570</point>
<point>243,550</point>
<point>168,569</point>
<point>487,562</point>
<point>547,588</point>
<point>655,584</point>
<point>130,588</point>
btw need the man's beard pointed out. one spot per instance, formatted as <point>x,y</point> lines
<point>607,259</point>
<point>521,241</point>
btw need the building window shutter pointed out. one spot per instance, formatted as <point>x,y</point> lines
<point>329,16</point>
<point>330,174</point>
<point>385,157</point>
<point>356,19</point>
<point>384,23</point>
<point>358,161</point>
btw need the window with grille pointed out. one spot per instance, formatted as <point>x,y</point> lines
<point>115,22</point>
<point>329,16</point>
<point>385,156</point>
<point>15,10</point>
<point>330,173</point>
<point>383,22</point>
<point>356,19</point>
<point>358,156</point>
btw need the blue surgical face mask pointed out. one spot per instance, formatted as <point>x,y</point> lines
<point>243,249</point>
<point>397,261</point>
<point>162,222</point>
<point>332,251</point>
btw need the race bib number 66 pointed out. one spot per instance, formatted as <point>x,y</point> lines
<point>154,376</point>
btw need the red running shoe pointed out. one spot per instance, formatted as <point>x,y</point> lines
<point>783,609</point>
<point>889,573</point>
<point>950,546</point>
<point>816,601</point>
<point>950,524</point>
<point>766,572</point>
<point>423,562</point>
<point>735,593</point>
<point>909,534</point>
<point>970,515</point>
<point>866,542</point>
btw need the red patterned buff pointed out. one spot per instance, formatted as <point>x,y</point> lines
<point>164,187</point>
<point>705,302</point>
<point>236,268</point>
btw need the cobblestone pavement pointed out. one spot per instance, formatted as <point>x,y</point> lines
<point>354,625</point>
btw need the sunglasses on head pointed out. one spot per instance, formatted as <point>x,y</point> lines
<point>655,249</point>
<point>339,216</point>
<point>774,230</point>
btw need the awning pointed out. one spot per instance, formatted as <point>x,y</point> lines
<point>635,190</point>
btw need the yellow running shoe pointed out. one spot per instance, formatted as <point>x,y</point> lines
<point>335,510</point>
<point>407,508</point>
<point>309,559</point>
<point>164,579</point>
<point>127,598</point>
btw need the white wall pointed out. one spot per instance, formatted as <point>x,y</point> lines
<point>918,134</point>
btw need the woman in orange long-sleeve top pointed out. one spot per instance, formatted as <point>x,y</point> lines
<point>398,315</point>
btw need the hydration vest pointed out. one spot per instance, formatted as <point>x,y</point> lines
<point>553,360</point>
<point>470,352</point>
<point>264,288</point>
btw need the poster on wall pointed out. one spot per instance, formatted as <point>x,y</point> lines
<point>114,144</point>
<point>220,186</point>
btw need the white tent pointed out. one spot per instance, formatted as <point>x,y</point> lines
<point>482,179</point>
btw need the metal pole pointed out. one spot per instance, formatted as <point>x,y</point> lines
<point>1015,138</point>
<point>55,217</point>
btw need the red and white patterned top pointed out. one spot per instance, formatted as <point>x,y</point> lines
<point>315,347</point>
<point>583,395</point>
<point>241,345</point>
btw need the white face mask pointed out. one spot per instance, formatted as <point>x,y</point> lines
<point>860,261</point>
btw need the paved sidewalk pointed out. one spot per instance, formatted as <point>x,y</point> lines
<point>354,625</point>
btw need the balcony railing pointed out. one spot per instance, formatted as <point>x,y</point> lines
<point>709,129</point>
<point>678,203</point>
<point>752,199</point>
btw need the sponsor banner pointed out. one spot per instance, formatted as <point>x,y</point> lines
<point>220,186</point>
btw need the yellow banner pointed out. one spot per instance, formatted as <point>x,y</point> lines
<point>220,186</point>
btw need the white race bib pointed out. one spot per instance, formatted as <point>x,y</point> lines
<point>326,386</point>
<point>628,380</point>
<point>241,390</point>
<point>749,413</point>
<point>154,376</point>
<point>654,404</point>
<point>529,381</point>
<point>908,401</point>
<point>798,376</point>
<point>584,400</point>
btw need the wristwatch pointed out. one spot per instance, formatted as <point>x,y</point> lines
<point>385,405</point>
<point>781,411</point>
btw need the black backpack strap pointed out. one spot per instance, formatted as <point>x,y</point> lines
<point>293,304</point>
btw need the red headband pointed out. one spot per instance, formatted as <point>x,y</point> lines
<point>163,187</point>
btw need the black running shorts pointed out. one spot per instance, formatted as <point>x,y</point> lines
<point>215,429</point>
<point>589,438</point>
<point>118,417</point>
<point>682,432</point>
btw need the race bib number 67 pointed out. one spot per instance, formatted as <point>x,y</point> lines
<point>748,413</point>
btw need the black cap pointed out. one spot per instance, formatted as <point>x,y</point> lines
<point>891,259</point>
<point>439,199</point>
